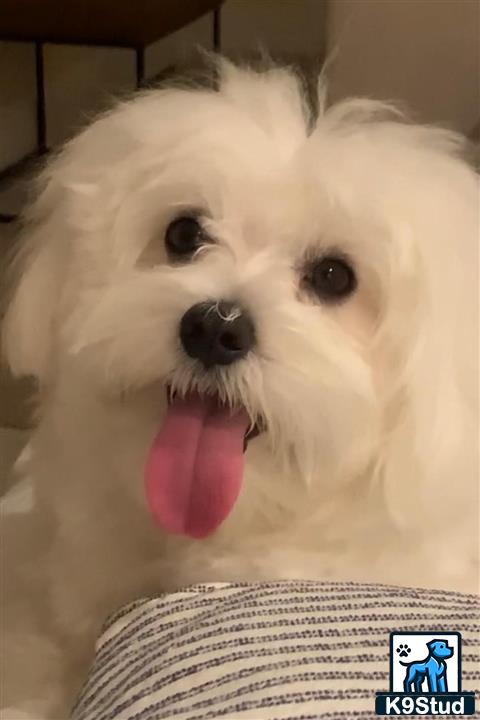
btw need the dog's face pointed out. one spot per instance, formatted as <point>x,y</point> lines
<point>229,246</point>
<point>440,649</point>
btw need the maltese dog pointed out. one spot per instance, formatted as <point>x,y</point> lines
<point>252,320</point>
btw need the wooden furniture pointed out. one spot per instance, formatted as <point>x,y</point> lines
<point>131,24</point>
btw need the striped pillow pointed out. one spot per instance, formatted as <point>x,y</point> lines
<point>293,650</point>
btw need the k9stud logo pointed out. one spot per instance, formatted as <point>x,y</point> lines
<point>425,676</point>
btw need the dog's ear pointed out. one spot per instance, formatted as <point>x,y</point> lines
<point>431,645</point>
<point>429,467</point>
<point>28,327</point>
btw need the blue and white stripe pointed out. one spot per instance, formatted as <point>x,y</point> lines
<point>282,650</point>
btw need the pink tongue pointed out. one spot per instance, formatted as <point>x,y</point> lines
<point>195,467</point>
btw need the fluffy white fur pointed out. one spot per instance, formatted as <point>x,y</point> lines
<point>368,468</point>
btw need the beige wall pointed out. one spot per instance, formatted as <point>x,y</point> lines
<point>283,27</point>
<point>423,52</point>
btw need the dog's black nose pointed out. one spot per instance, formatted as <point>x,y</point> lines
<point>217,333</point>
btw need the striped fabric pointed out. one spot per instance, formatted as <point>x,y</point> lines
<point>265,651</point>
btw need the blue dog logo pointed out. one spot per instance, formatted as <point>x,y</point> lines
<point>433,669</point>
<point>432,686</point>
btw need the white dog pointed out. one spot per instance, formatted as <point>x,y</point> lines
<point>212,269</point>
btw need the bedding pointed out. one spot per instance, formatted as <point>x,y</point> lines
<point>264,651</point>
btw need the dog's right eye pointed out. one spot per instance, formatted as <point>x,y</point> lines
<point>183,237</point>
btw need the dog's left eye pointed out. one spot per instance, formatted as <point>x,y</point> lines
<point>332,279</point>
<point>183,237</point>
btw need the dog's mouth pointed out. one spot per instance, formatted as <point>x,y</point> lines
<point>252,431</point>
<point>194,470</point>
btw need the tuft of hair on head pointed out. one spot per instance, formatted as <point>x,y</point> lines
<point>274,97</point>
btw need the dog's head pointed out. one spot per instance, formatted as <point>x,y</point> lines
<point>440,649</point>
<point>233,248</point>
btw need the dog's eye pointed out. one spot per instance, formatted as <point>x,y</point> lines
<point>183,237</point>
<point>332,279</point>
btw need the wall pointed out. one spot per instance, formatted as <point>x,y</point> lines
<point>422,52</point>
